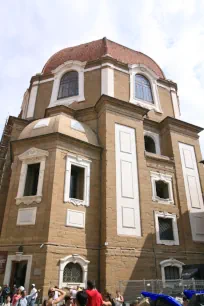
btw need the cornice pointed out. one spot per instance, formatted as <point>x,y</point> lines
<point>56,136</point>
<point>168,83</point>
<point>151,124</point>
<point>18,120</point>
<point>86,114</point>
<point>59,109</point>
<point>160,158</point>
<point>180,127</point>
<point>121,107</point>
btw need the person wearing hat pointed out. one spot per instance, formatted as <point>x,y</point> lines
<point>34,296</point>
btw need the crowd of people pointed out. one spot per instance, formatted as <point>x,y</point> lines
<point>75,296</point>
<point>66,297</point>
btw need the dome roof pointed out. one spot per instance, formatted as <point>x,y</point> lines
<point>61,124</point>
<point>96,50</point>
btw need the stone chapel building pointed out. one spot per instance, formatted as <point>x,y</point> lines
<point>99,178</point>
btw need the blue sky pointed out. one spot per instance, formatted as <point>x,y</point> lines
<point>171,32</point>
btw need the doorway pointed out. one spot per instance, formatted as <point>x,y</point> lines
<point>18,273</point>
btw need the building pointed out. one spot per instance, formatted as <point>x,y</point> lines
<point>100,178</point>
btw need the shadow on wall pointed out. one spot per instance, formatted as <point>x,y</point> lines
<point>148,262</point>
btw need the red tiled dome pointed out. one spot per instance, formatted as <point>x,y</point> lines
<point>98,48</point>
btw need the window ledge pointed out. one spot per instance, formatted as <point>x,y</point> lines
<point>28,200</point>
<point>147,105</point>
<point>69,285</point>
<point>167,242</point>
<point>76,202</point>
<point>159,157</point>
<point>67,101</point>
<point>162,201</point>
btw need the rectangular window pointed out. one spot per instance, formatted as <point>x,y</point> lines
<point>165,229</point>
<point>32,177</point>
<point>171,272</point>
<point>77,182</point>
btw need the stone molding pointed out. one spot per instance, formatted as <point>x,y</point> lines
<point>172,262</point>
<point>31,156</point>
<point>18,257</point>
<point>75,258</point>
<point>157,176</point>
<point>158,214</point>
<point>83,163</point>
<point>58,73</point>
<point>152,78</point>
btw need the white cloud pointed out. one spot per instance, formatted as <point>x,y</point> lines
<point>171,32</point>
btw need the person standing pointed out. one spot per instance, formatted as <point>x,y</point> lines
<point>94,297</point>
<point>16,297</point>
<point>119,300</point>
<point>7,301</point>
<point>6,291</point>
<point>34,294</point>
<point>107,301</point>
<point>73,292</point>
<point>81,298</point>
<point>25,299</point>
<point>51,294</point>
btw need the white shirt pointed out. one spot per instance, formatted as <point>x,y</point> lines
<point>34,290</point>
<point>73,293</point>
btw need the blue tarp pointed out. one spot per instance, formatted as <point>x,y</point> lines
<point>190,293</point>
<point>155,296</point>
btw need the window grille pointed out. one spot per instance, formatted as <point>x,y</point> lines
<point>171,272</point>
<point>166,229</point>
<point>72,273</point>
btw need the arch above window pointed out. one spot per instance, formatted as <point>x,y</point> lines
<point>73,270</point>
<point>171,268</point>
<point>68,85</point>
<point>162,190</point>
<point>152,142</point>
<point>143,88</point>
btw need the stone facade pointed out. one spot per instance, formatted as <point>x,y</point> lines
<point>86,232</point>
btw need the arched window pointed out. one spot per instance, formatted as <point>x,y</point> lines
<point>171,272</point>
<point>69,85</point>
<point>72,273</point>
<point>171,269</point>
<point>149,144</point>
<point>143,89</point>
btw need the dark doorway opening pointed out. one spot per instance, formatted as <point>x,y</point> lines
<point>18,273</point>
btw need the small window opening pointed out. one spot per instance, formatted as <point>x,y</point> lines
<point>149,144</point>
<point>166,229</point>
<point>162,190</point>
<point>32,177</point>
<point>77,183</point>
<point>171,272</point>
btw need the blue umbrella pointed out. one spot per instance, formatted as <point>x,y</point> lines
<point>155,296</point>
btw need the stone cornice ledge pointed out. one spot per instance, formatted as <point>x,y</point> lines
<point>120,106</point>
<point>59,109</point>
<point>180,126</point>
<point>28,200</point>
<point>159,157</point>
